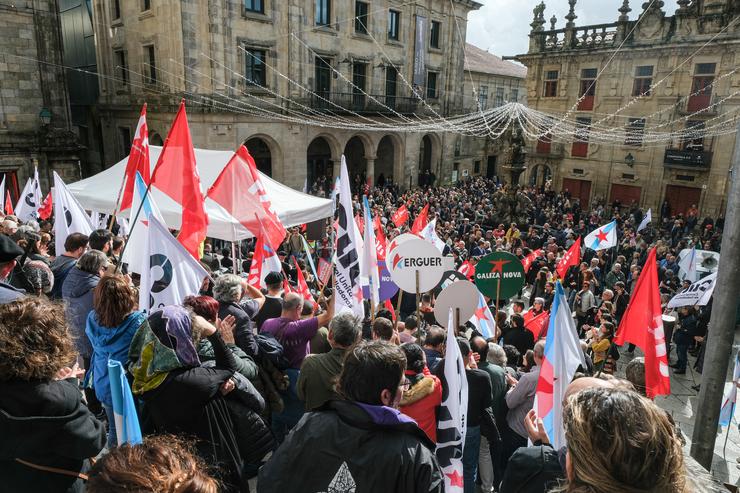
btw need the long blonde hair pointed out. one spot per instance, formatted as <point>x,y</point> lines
<point>620,442</point>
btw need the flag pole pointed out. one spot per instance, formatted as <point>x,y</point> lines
<point>418,298</point>
<point>398,309</point>
<point>118,204</point>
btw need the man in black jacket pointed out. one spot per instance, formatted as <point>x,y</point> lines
<point>344,446</point>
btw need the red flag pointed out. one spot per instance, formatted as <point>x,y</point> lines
<point>642,325</point>
<point>286,286</point>
<point>47,207</point>
<point>529,259</point>
<point>421,220</point>
<point>264,261</point>
<point>303,286</point>
<point>138,160</point>
<point>400,216</point>
<point>467,269</point>
<point>536,323</point>
<point>571,257</point>
<point>177,176</point>
<point>238,189</point>
<point>380,242</point>
<point>8,204</point>
<point>389,306</point>
<point>324,272</point>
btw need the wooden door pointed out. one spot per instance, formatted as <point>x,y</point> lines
<point>680,199</point>
<point>626,194</point>
<point>580,189</point>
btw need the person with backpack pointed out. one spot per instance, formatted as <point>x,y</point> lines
<point>294,334</point>
<point>75,245</point>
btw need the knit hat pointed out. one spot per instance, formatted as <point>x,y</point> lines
<point>38,276</point>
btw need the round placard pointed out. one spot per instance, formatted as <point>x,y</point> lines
<point>460,295</point>
<point>397,241</point>
<point>503,268</point>
<point>412,256</point>
<point>448,278</point>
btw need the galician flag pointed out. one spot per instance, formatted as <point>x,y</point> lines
<point>727,411</point>
<point>483,318</point>
<point>602,238</point>
<point>563,355</point>
<point>646,220</point>
<point>172,274</point>
<point>452,418</point>
<point>69,215</point>
<point>125,418</point>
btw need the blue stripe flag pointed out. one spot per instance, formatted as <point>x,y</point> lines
<point>124,410</point>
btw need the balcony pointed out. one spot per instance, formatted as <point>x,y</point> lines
<point>338,102</point>
<point>586,37</point>
<point>687,158</point>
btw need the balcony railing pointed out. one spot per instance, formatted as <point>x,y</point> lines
<point>585,37</point>
<point>688,158</point>
<point>337,102</point>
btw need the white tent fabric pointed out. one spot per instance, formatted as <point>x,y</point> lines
<point>99,193</point>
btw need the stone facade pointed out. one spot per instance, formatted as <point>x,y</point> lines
<point>202,51</point>
<point>700,89</point>
<point>31,80</point>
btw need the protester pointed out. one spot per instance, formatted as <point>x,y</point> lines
<point>383,329</point>
<point>162,463</point>
<point>424,393</point>
<point>110,327</point>
<point>349,439</point>
<point>231,292</point>
<point>434,346</point>
<point>48,434</point>
<point>519,337</point>
<point>101,239</point>
<point>9,252</point>
<point>319,371</point>
<point>273,305</point>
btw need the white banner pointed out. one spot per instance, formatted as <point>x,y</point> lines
<point>69,216</point>
<point>696,294</point>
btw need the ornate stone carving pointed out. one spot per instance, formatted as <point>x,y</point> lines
<point>571,14</point>
<point>538,22</point>
<point>624,11</point>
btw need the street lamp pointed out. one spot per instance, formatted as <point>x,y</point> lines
<point>629,159</point>
<point>45,116</point>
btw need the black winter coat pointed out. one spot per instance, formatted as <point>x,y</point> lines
<point>533,469</point>
<point>340,446</point>
<point>46,424</point>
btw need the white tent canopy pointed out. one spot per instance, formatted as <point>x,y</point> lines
<point>99,193</point>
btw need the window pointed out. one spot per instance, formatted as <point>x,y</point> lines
<point>544,144</point>
<point>643,80</point>
<point>323,77</point>
<point>323,12</point>
<point>694,139</point>
<point>701,86</point>
<point>124,137</point>
<point>499,96</point>
<point>359,77</point>
<point>434,34</point>
<point>361,17</point>
<point>116,9</point>
<point>432,85</point>
<point>151,65</point>
<point>121,67</point>
<point>476,167</point>
<point>588,89</point>
<point>483,97</point>
<point>580,146</point>
<point>635,132</point>
<point>256,6</point>
<point>391,85</point>
<point>458,146</point>
<point>394,25</point>
<point>146,5</point>
<point>514,95</point>
<point>551,84</point>
<point>255,71</point>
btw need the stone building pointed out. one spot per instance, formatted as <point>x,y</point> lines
<point>679,69</point>
<point>35,121</point>
<point>229,59</point>
<point>489,82</point>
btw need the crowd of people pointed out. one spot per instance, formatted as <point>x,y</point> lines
<point>239,382</point>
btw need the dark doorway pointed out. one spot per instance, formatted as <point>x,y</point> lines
<point>320,169</point>
<point>260,151</point>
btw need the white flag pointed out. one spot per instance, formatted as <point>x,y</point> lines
<point>348,289</point>
<point>602,238</point>
<point>646,220</point>
<point>429,233</point>
<point>172,273</point>
<point>452,416</point>
<point>69,215</point>
<point>30,199</point>
<point>370,257</point>
<point>698,294</point>
<point>135,253</point>
<point>2,195</point>
<point>687,265</point>
<point>99,220</point>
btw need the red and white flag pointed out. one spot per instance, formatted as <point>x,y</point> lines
<point>571,258</point>
<point>176,175</point>
<point>529,259</point>
<point>401,216</point>
<point>536,323</point>
<point>264,261</point>
<point>467,269</point>
<point>642,325</point>
<point>47,207</point>
<point>239,191</point>
<point>138,160</point>
<point>380,241</point>
<point>421,220</point>
<point>303,286</point>
<point>8,204</point>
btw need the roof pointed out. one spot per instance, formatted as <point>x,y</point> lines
<point>478,60</point>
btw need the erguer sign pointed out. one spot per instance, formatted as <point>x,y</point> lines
<point>499,275</point>
<point>412,256</point>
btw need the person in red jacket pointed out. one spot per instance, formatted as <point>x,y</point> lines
<point>424,393</point>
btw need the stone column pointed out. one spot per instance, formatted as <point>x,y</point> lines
<point>370,170</point>
<point>336,167</point>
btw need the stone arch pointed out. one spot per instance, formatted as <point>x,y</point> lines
<point>430,155</point>
<point>540,174</point>
<point>321,154</point>
<point>389,160</point>
<point>267,154</point>
<point>357,150</point>
<point>155,139</point>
